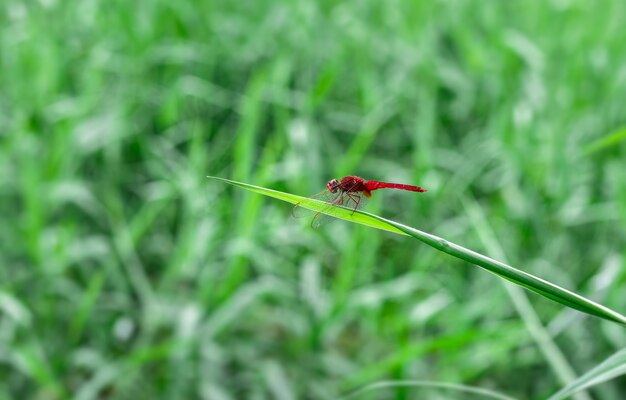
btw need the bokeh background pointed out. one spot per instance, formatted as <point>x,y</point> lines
<point>126,274</point>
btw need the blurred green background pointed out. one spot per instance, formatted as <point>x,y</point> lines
<point>126,274</point>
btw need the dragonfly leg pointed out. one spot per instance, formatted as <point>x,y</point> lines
<point>315,220</point>
<point>356,201</point>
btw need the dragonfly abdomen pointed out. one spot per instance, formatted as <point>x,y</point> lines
<point>375,185</point>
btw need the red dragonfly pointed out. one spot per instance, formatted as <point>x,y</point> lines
<point>350,192</point>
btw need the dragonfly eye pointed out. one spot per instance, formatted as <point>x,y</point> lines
<point>333,185</point>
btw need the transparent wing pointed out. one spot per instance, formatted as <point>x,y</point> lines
<point>325,196</point>
<point>353,200</point>
<point>345,198</point>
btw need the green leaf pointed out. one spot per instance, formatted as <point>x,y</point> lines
<point>530,282</point>
<point>610,368</point>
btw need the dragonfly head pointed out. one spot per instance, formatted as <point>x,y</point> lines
<point>332,185</point>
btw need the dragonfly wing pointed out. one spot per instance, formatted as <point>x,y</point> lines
<point>354,200</point>
<point>321,219</point>
<point>325,196</point>
<point>346,198</point>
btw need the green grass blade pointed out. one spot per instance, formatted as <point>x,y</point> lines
<point>607,141</point>
<point>610,368</point>
<point>485,393</point>
<point>530,282</point>
<point>316,205</point>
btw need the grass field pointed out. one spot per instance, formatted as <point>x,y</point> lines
<point>126,274</point>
